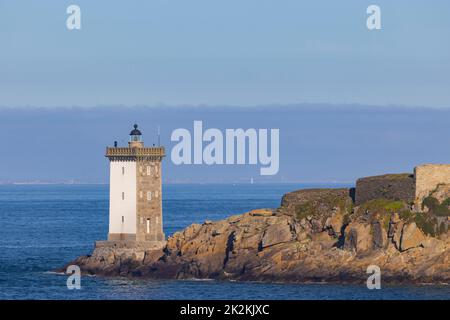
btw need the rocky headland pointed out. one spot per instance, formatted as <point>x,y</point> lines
<point>316,235</point>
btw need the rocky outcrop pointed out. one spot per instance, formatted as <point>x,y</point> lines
<point>319,202</point>
<point>411,237</point>
<point>358,237</point>
<point>316,235</point>
<point>276,233</point>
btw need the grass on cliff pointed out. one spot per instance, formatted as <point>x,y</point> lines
<point>430,225</point>
<point>446,202</point>
<point>382,206</point>
<point>382,209</point>
<point>436,208</point>
<point>304,210</point>
<point>311,208</point>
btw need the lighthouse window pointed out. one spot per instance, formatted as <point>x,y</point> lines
<point>123,219</point>
<point>123,195</point>
<point>148,225</point>
<point>123,170</point>
<point>149,170</point>
<point>149,195</point>
<point>156,194</point>
<point>140,194</point>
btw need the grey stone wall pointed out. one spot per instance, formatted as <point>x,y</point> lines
<point>150,210</point>
<point>428,178</point>
<point>389,186</point>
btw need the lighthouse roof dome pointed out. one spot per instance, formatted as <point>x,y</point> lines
<point>135,131</point>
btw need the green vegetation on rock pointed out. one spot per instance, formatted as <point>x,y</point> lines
<point>426,223</point>
<point>406,215</point>
<point>385,222</point>
<point>382,209</point>
<point>446,202</point>
<point>437,209</point>
<point>322,206</point>
<point>304,210</point>
<point>382,206</point>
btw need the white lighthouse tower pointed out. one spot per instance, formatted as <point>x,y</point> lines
<point>135,209</point>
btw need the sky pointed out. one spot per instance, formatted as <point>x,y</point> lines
<point>318,143</point>
<point>233,52</point>
<point>349,102</point>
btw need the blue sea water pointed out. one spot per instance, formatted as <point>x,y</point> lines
<point>45,226</point>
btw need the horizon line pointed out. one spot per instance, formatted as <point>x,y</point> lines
<point>18,183</point>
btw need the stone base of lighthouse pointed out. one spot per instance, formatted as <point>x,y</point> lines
<point>130,245</point>
<point>138,238</point>
<point>113,258</point>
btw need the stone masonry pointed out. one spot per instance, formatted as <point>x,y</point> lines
<point>411,188</point>
<point>389,186</point>
<point>149,201</point>
<point>427,178</point>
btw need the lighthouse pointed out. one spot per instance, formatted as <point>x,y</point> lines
<point>135,195</point>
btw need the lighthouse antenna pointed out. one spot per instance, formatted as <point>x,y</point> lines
<point>159,136</point>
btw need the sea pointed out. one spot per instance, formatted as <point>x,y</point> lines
<point>45,226</point>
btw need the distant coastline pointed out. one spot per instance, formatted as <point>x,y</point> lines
<point>38,182</point>
<point>241,182</point>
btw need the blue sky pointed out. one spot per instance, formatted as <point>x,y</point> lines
<point>318,143</point>
<point>327,82</point>
<point>234,52</point>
